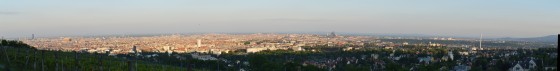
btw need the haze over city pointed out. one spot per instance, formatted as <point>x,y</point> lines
<point>279,35</point>
<point>511,18</point>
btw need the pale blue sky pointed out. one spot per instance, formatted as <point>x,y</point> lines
<point>494,18</point>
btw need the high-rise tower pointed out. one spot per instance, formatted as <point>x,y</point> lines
<point>331,35</point>
<point>134,49</point>
<point>198,42</point>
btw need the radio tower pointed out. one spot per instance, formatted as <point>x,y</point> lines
<point>480,42</point>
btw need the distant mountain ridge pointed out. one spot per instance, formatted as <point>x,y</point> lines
<point>550,38</point>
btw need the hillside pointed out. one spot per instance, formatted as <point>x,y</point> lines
<point>550,38</point>
<point>17,56</point>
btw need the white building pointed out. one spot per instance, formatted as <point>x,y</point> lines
<point>297,49</point>
<point>388,47</point>
<point>347,48</point>
<point>450,54</point>
<point>203,57</point>
<point>464,53</point>
<point>253,50</point>
<point>517,67</point>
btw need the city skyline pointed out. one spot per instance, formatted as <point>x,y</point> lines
<point>31,36</point>
<point>279,35</point>
<point>512,18</point>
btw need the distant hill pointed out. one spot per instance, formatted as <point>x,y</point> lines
<point>550,38</point>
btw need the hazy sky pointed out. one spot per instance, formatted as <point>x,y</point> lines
<point>494,18</point>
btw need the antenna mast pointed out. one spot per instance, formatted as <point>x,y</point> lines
<point>480,43</point>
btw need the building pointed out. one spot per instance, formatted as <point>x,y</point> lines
<point>524,65</point>
<point>347,48</point>
<point>473,50</point>
<point>517,67</point>
<point>66,40</point>
<point>388,47</point>
<point>297,49</point>
<point>450,54</point>
<point>198,42</point>
<point>426,60</point>
<point>331,35</point>
<point>253,50</point>
<point>203,57</point>
<point>551,68</point>
<point>461,68</point>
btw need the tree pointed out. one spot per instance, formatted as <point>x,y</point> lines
<point>4,42</point>
<point>247,43</point>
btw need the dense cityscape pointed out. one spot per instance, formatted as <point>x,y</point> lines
<point>269,51</point>
<point>279,35</point>
<point>223,43</point>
